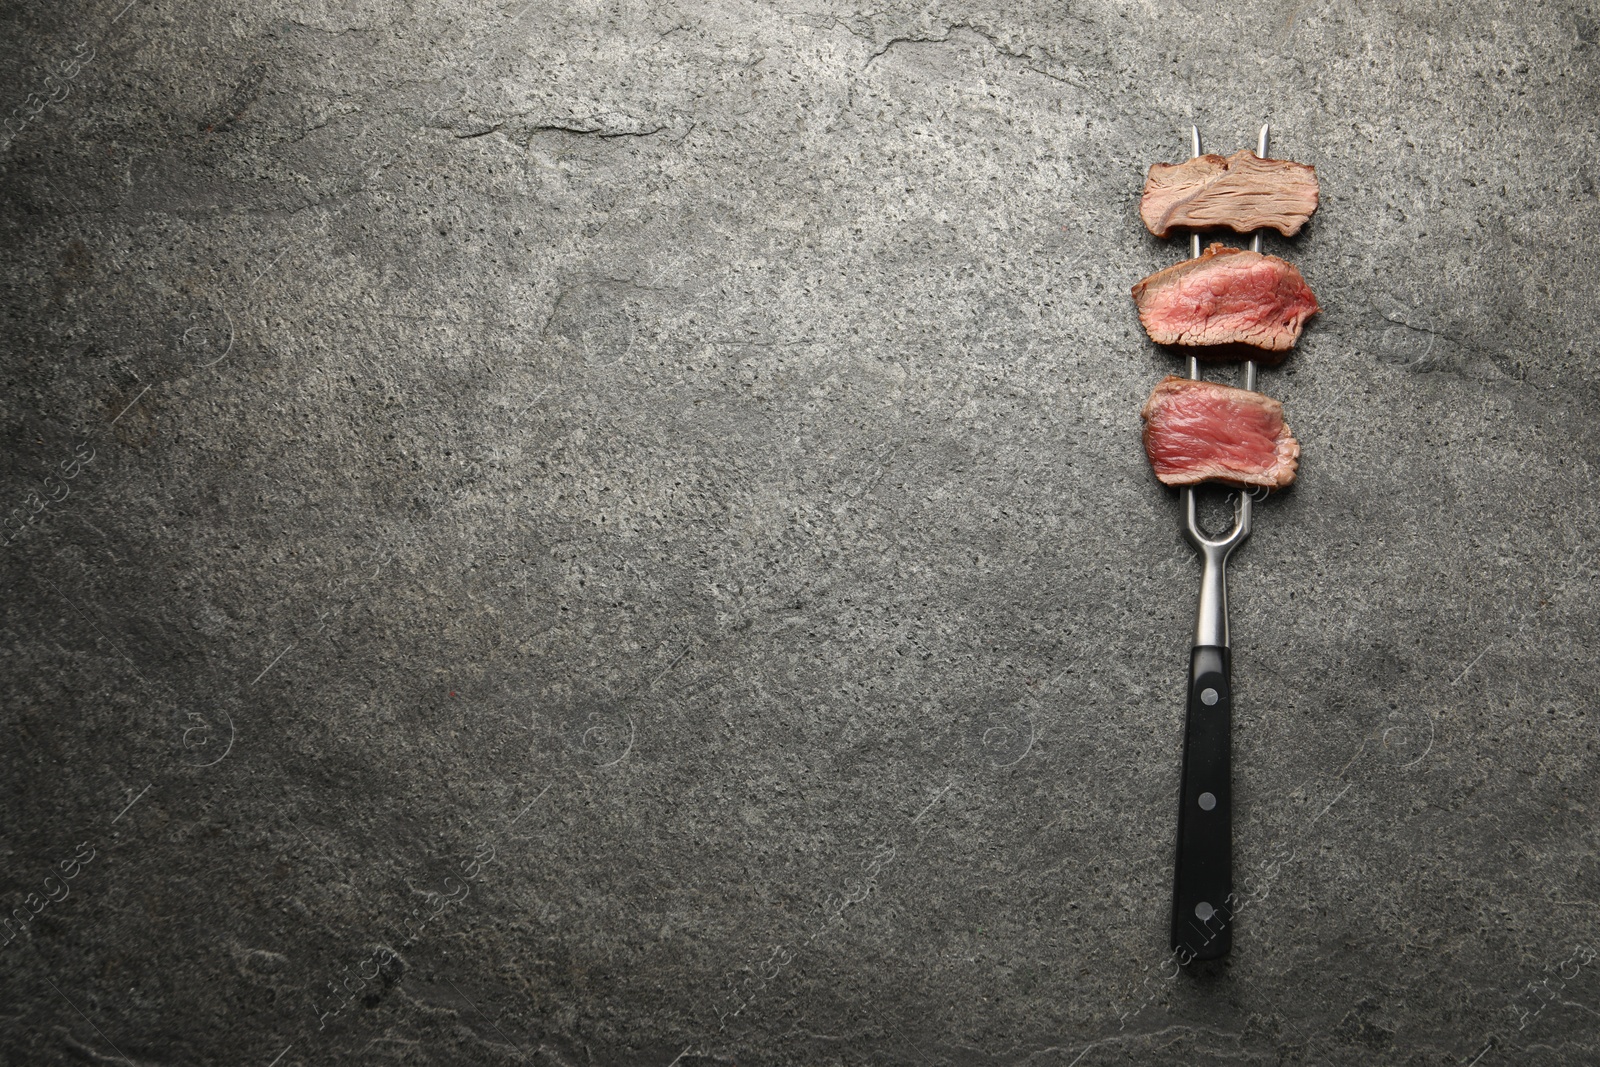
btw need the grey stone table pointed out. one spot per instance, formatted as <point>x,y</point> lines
<point>616,534</point>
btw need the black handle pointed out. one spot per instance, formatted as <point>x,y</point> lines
<point>1202,884</point>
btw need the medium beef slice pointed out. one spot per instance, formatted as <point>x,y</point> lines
<point>1226,296</point>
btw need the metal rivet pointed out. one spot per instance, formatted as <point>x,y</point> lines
<point>1204,911</point>
<point>1208,697</point>
<point>1207,801</point>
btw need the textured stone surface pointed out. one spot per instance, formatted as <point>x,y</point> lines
<point>618,534</point>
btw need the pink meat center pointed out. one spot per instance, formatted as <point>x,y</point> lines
<point>1203,429</point>
<point>1241,299</point>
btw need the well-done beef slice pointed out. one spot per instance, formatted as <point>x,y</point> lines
<point>1226,296</point>
<point>1198,431</point>
<point>1241,192</point>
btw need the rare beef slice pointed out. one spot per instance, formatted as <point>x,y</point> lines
<point>1197,431</point>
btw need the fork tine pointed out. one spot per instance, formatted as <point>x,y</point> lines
<point>1194,238</point>
<point>1255,246</point>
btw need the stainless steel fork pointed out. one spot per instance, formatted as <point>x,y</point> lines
<point>1203,901</point>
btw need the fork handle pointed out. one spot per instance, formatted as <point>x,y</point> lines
<point>1202,888</point>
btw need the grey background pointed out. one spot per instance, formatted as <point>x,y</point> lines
<point>638,511</point>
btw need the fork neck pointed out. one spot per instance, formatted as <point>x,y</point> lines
<point>1211,620</point>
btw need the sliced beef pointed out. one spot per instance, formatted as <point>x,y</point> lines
<point>1242,192</point>
<point>1198,431</point>
<point>1226,296</point>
